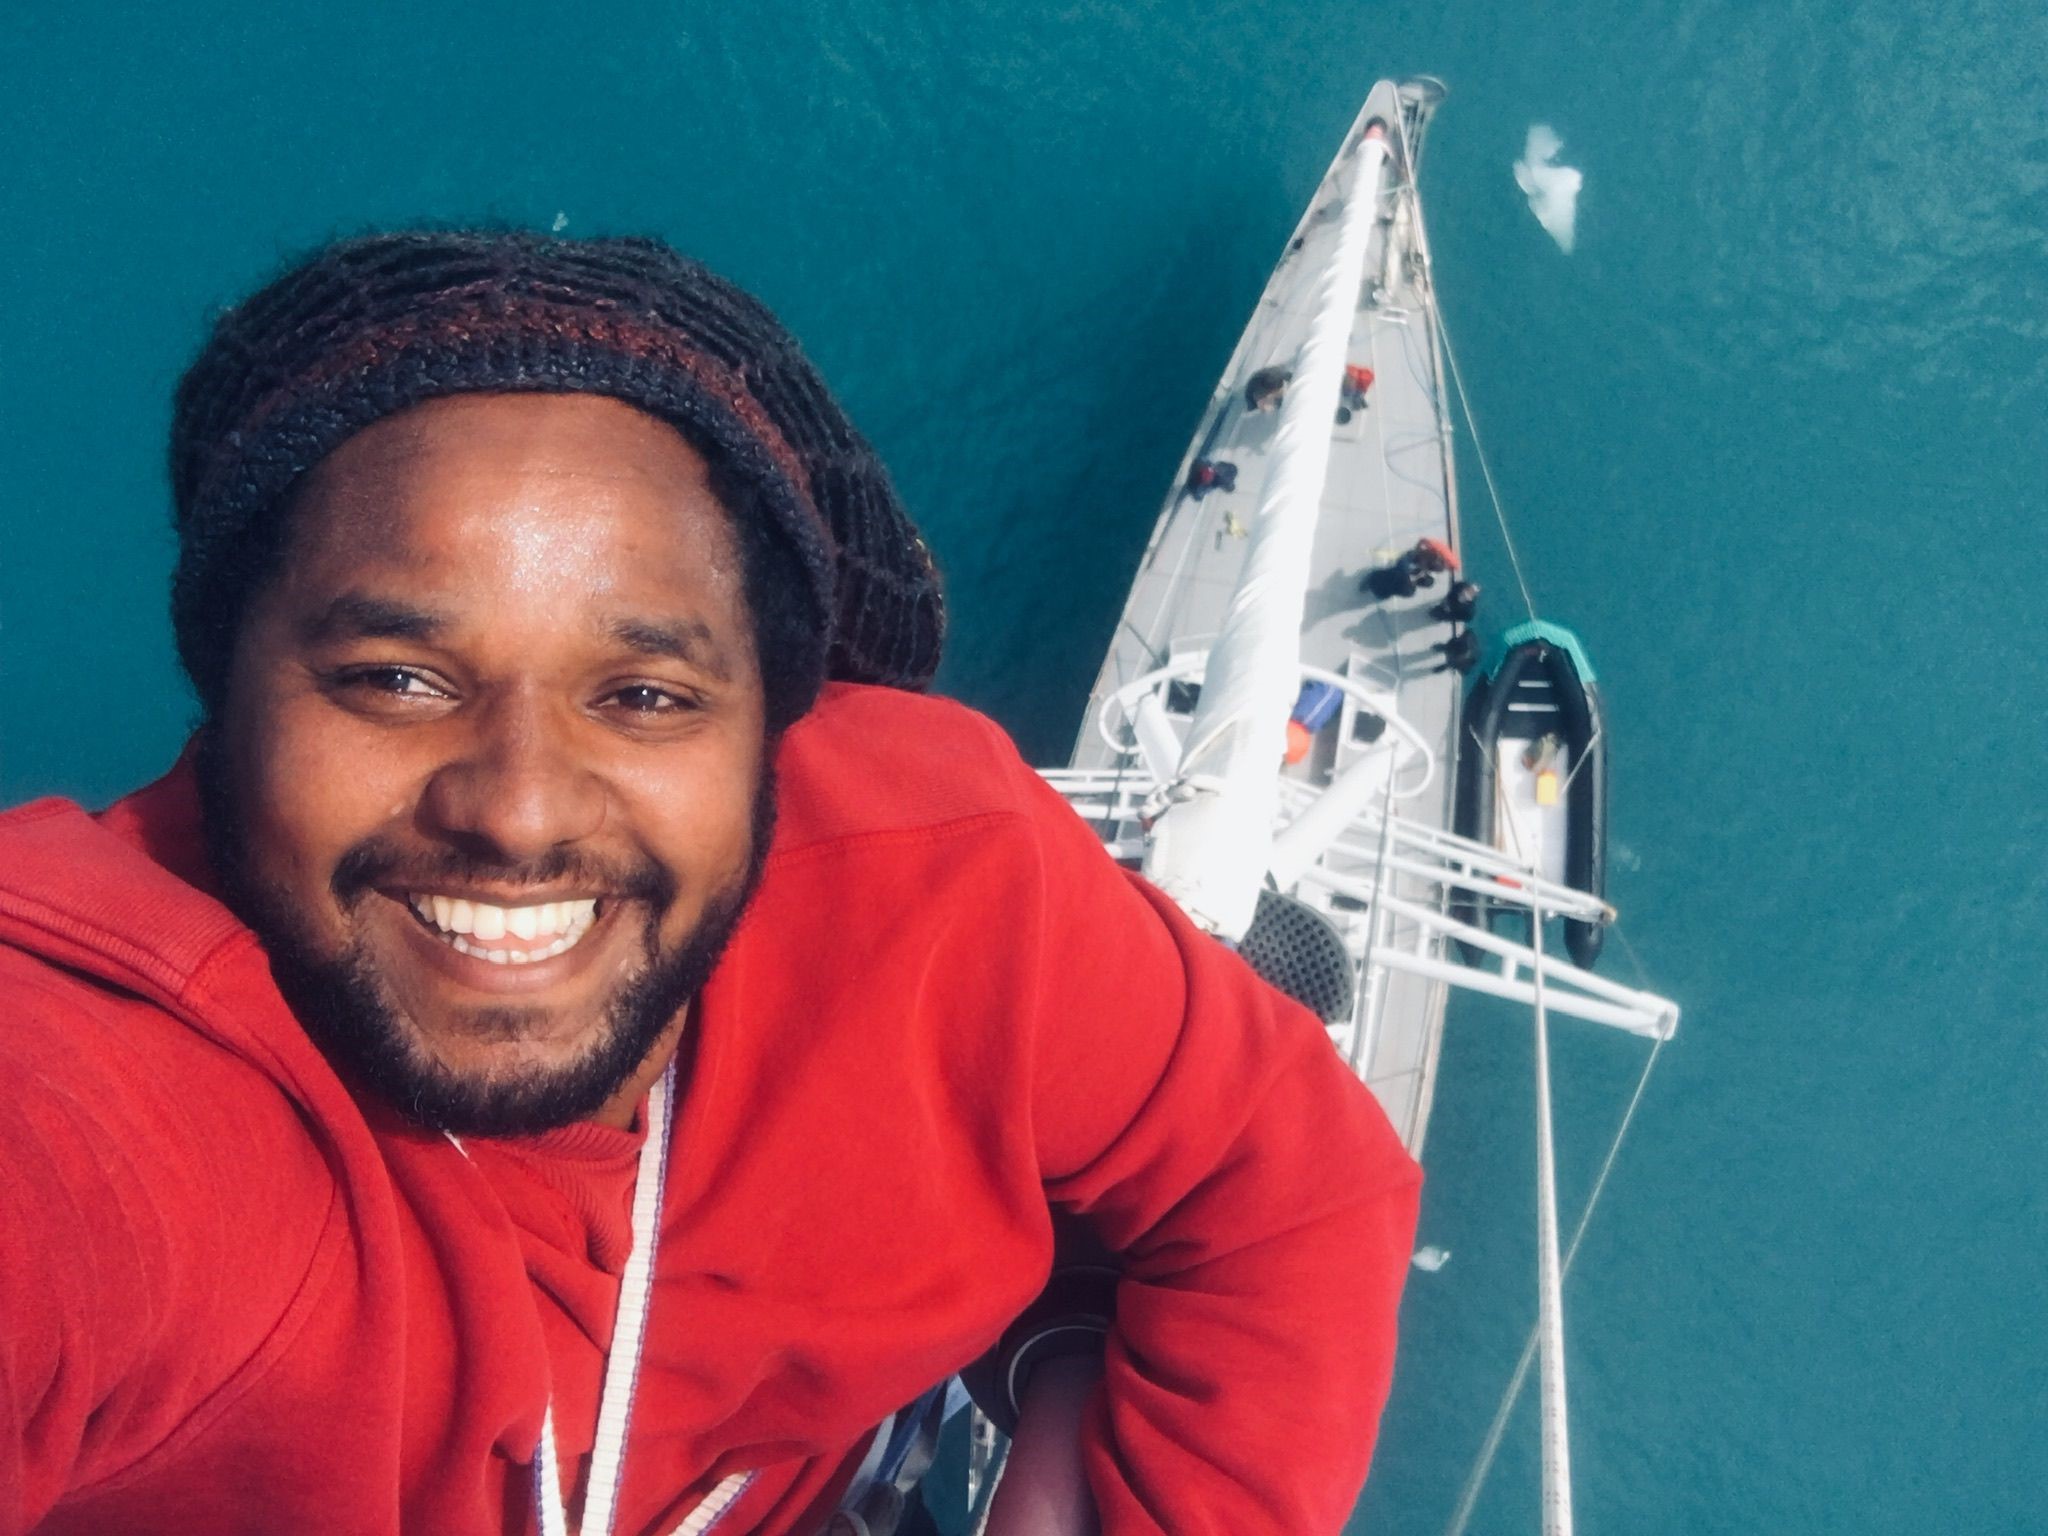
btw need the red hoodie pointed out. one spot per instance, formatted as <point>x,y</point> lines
<point>234,1298</point>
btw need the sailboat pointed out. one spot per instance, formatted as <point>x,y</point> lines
<point>1279,735</point>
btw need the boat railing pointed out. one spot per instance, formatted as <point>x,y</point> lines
<point>1568,988</point>
<point>1435,853</point>
<point>1415,934</point>
<point>1135,719</point>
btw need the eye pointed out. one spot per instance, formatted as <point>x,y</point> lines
<point>388,691</point>
<point>399,682</point>
<point>646,699</point>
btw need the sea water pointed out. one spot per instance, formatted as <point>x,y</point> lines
<point>1771,438</point>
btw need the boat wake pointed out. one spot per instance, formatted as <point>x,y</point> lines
<point>1552,189</point>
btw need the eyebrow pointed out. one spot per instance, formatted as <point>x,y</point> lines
<point>686,640</point>
<point>357,616</point>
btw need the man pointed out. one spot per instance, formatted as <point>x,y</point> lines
<point>1458,605</point>
<point>577,1040</point>
<point>1460,652</point>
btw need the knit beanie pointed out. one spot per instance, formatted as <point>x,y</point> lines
<point>368,327</point>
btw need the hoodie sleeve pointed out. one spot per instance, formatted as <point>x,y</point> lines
<point>1261,1205</point>
<point>141,1264</point>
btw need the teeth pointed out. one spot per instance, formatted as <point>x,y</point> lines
<point>515,956</point>
<point>559,925</point>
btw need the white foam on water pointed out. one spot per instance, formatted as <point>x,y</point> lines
<point>1552,189</point>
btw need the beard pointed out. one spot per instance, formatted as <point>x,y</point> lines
<point>347,1009</point>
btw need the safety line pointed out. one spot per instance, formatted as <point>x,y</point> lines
<point>1468,1499</point>
<point>1472,425</point>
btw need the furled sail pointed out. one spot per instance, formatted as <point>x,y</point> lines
<point>1211,847</point>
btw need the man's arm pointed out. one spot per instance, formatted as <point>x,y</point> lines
<point>1044,1488</point>
<point>158,1203</point>
<point>1262,1208</point>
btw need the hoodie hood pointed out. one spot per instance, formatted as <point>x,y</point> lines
<point>125,899</point>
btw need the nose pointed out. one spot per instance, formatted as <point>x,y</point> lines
<point>516,787</point>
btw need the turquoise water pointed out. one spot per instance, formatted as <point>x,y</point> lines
<point>1772,441</point>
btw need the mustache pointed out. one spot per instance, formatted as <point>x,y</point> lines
<point>378,862</point>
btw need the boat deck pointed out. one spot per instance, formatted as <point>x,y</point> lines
<point>1390,484</point>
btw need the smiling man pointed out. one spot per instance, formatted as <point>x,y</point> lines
<point>580,1039</point>
<point>521,621</point>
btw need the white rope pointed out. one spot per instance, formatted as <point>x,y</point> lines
<point>622,1359</point>
<point>1585,757</point>
<point>1482,1464</point>
<point>629,1326</point>
<point>715,1505</point>
<point>1493,491</point>
<point>1556,1439</point>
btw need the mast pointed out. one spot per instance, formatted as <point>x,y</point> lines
<point>1557,1461</point>
<point>1211,848</point>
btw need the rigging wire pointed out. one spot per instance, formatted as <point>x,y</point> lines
<point>1482,1464</point>
<point>1585,757</point>
<point>1493,491</point>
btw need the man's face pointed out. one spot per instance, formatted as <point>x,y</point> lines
<point>491,778</point>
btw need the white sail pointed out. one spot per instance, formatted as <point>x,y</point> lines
<point>1212,846</point>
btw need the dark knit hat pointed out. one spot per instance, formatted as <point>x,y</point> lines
<point>367,327</point>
